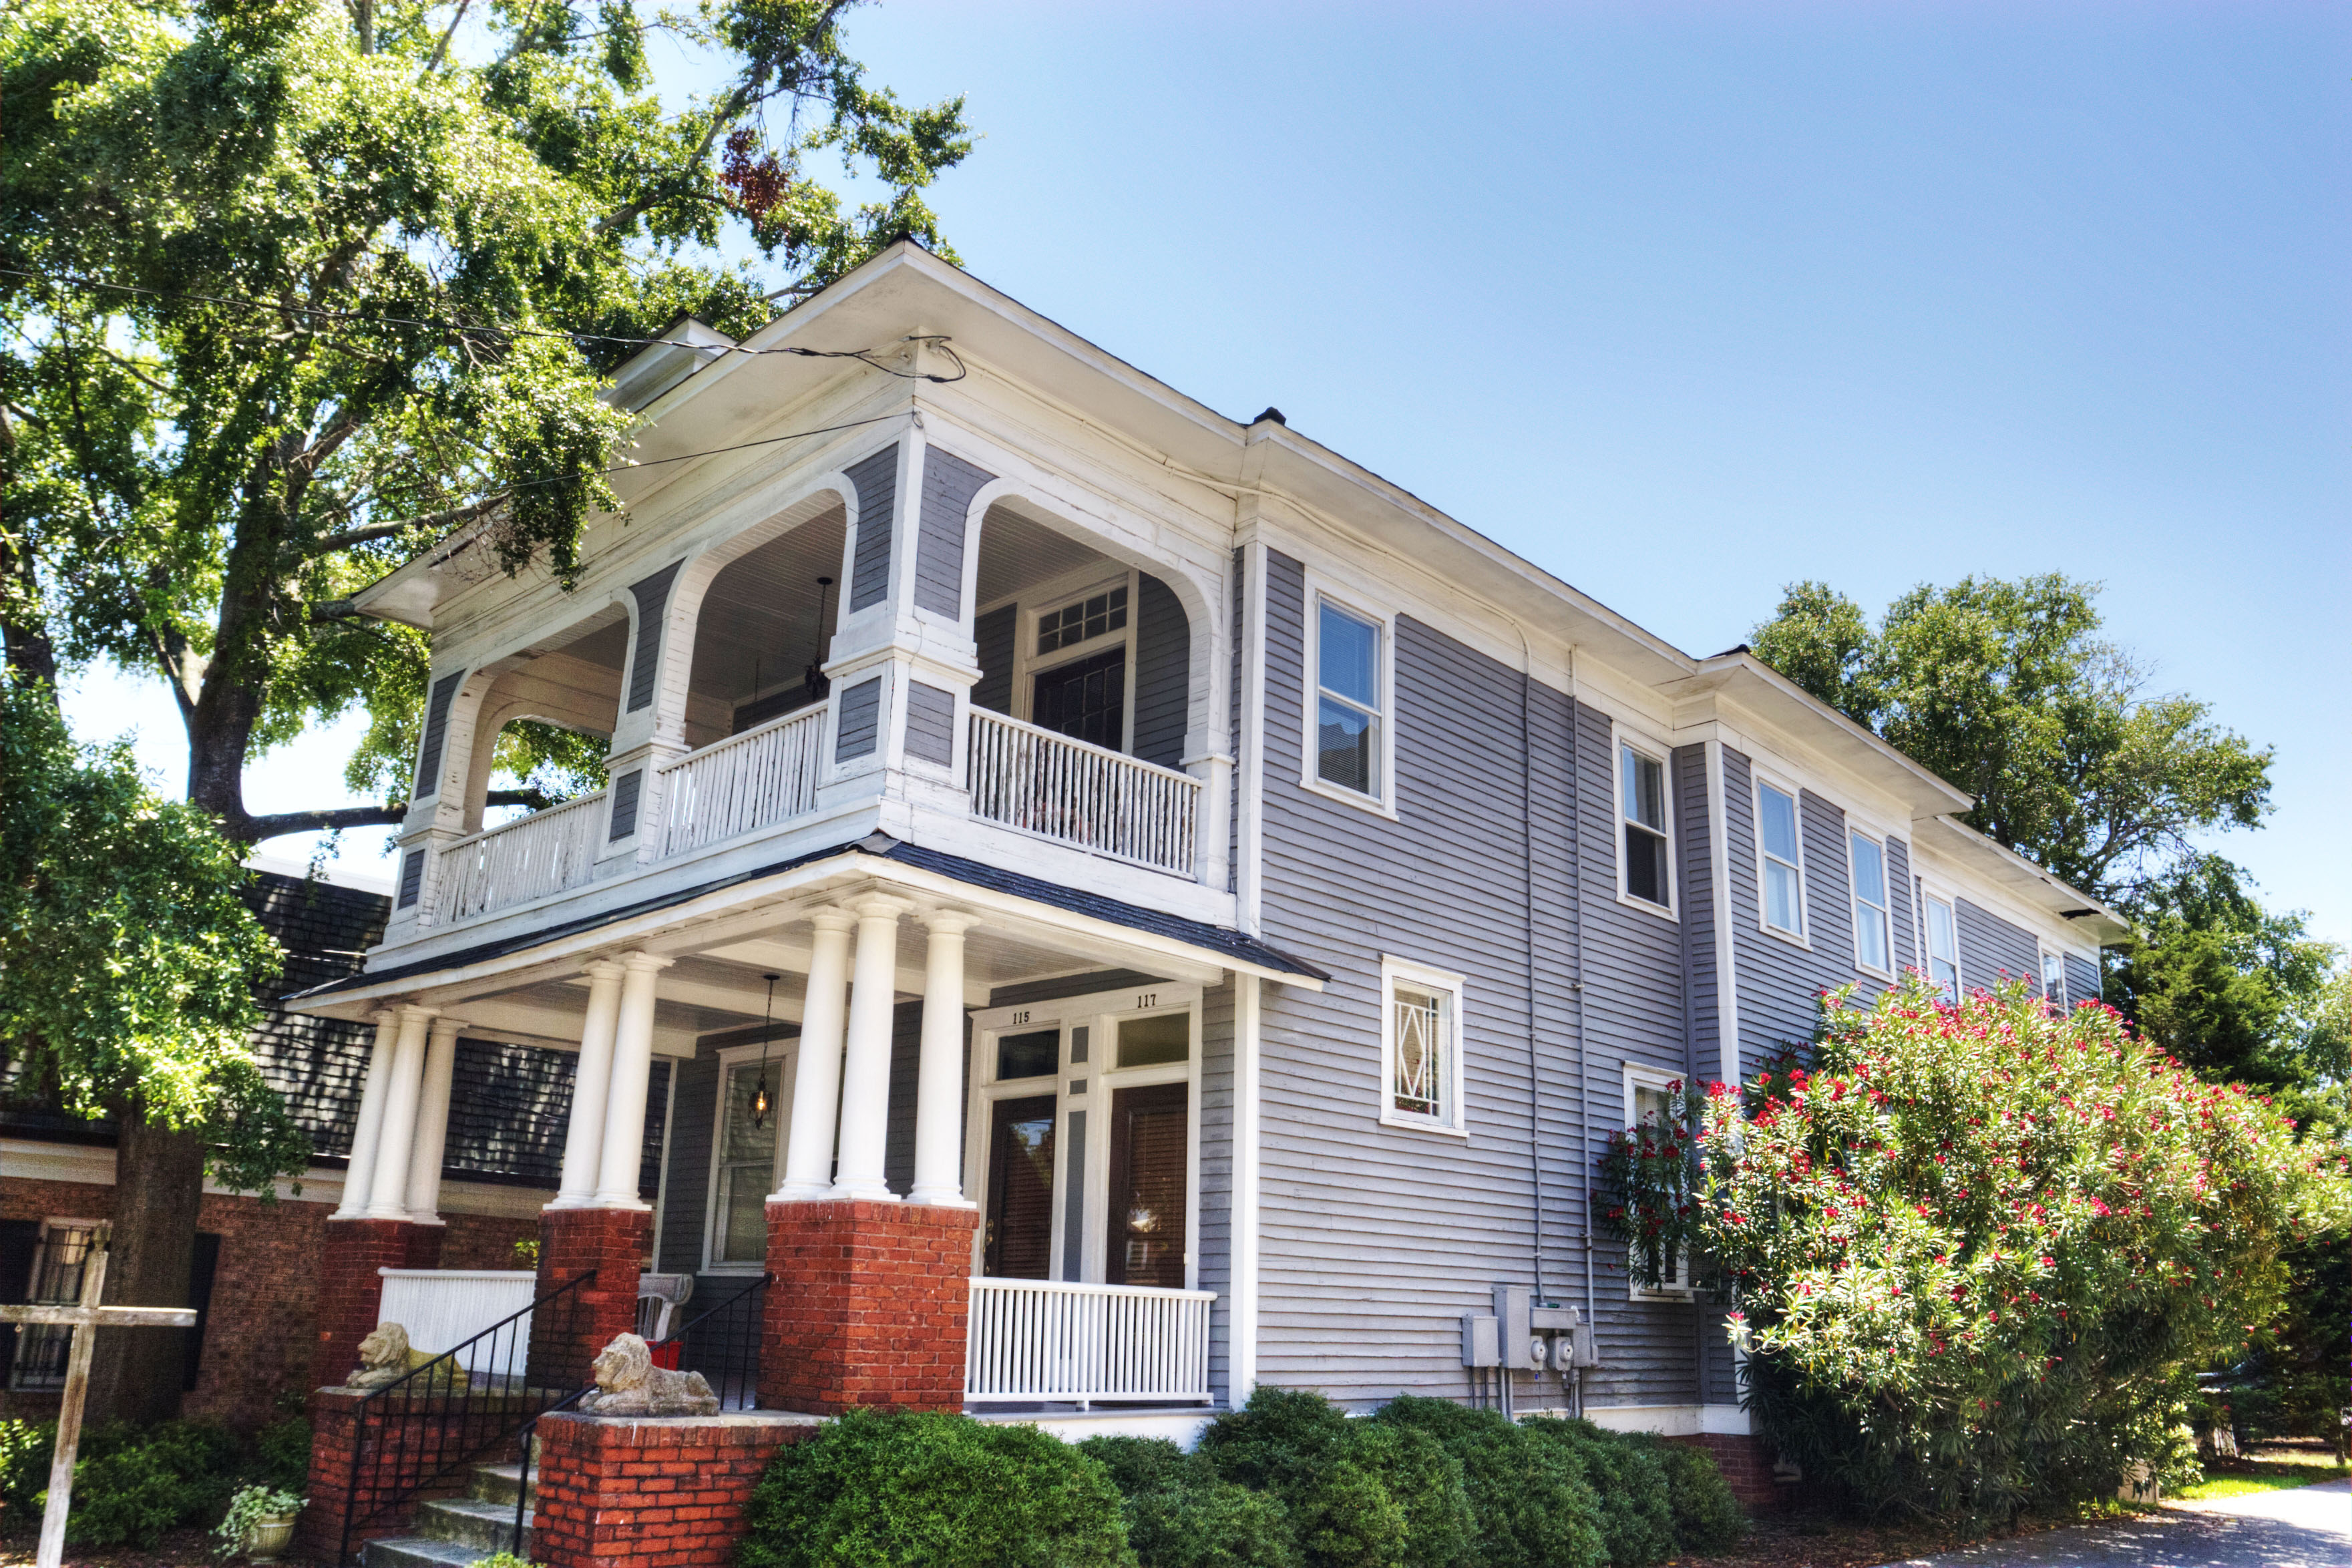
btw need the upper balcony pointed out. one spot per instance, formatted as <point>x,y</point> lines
<point>1026,698</point>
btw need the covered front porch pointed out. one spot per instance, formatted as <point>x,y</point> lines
<point>936,1135</point>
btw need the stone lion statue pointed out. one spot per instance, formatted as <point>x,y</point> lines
<point>385,1358</point>
<point>629,1383</point>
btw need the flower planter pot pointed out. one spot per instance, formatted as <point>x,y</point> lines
<point>269,1536</point>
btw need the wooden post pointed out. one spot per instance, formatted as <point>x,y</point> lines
<point>85,1321</point>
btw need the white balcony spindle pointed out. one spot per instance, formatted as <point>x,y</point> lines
<point>543,853</point>
<point>1043,1339</point>
<point>757,779</point>
<point>1082,794</point>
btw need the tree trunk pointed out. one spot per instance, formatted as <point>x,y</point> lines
<point>159,1180</point>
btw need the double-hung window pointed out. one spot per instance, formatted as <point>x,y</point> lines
<point>1642,781</point>
<point>1349,706</point>
<point>1943,947</point>
<point>754,1107</point>
<point>1656,1106</point>
<point>1784,877</point>
<point>2054,980</point>
<point>1871,944</point>
<point>1420,1052</point>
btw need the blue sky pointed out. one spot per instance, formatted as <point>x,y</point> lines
<point>1686,301</point>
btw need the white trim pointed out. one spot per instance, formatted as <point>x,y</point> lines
<point>1455,1123</point>
<point>1679,1288</point>
<point>1381,801</point>
<point>1250,807</point>
<point>1623,738</point>
<point>1727,982</point>
<point>1240,1332</point>
<point>783,1057</point>
<point>1182,1427</point>
<point>1667,1420</point>
<point>1933,893</point>
<point>1758,782</point>
<point>1854,902</point>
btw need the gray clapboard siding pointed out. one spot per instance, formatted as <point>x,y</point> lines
<point>693,1123</point>
<point>993,634</point>
<point>905,1060</point>
<point>1992,949</point>
<point>1239,622</point>
<point>1718,1373</point>
<point>877,481</point>
<point>652,596</point>
<point>1376,1239</point>
<point>1063,985</point>
<point>436,731</point>
<point>1163,672</point>
<point>949,485</point>
<point>858,722</point>
<point>930,723</point>
<point>1900,910</point>
<point>1213,1268</point>
<point>2082,980</point>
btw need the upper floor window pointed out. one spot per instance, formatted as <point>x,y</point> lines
<point>1642,784</point>
<point>1421,1057</point>
<point>2053,980</point>
<point>1784,876</point>
<point>1872,944</point>
<point>1349,701</point>
<point>1943,947</point>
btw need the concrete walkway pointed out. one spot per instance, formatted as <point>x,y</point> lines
<point>2306,1527</point>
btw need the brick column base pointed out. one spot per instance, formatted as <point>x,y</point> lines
<point>609,1244</point>
<point>869,1306</point>
<point>670,1489</point>
<point>350,1289</point>
<point>1746,1462</point>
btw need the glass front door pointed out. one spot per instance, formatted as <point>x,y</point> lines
<point>1148,1138</point>
<point>1019,1239</point>
<point>1085,700</point>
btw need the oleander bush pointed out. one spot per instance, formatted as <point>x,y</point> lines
<point>1983,1249</point>
<point>875,1491</point>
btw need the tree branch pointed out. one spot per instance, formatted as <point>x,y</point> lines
<point>277,824</point>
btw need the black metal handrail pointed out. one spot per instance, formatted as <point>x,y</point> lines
<point>479,1393</point>
<point>737,1384</point>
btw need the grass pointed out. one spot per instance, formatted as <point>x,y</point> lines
<point>2272,1476</point>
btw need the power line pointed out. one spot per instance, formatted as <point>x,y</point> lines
<point>863,356</point>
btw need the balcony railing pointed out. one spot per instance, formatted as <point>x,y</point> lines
<point>543,853</point>
<point>753,780</point>
<point>1087,796</point>
<point>1042,1340</point>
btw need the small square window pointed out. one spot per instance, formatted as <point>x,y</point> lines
<point>1421,1048</point>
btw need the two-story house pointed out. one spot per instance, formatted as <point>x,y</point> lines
<point>1134,906</point>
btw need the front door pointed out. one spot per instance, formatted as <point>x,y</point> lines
<point>1019,1240</point>
<point>1147,1142</point>
<point>1085,700</point>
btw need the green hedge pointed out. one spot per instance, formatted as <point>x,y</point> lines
<point>134,1483</point>
<point>1288,1481</point>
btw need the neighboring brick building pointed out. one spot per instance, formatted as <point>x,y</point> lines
<point>257,1265</point>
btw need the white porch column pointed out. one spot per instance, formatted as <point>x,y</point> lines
<point>816,1081</point>
<point>359,1171</point>
<point>866,1068</point>
<point>624,1106</point>
<point>583,1141</point>
<point>388,1185</point>
<point>425,1151</point>
<point>939,1082</point>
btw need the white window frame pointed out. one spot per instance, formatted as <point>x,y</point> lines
<point>1931,893</point>
<point>1885,893</point>
<point>1455,1123</point>
<point>1678,1286</point>
<point>1759,782</point>
<point>2051,958</point>
<point>1641,745</point>
<point>1381,801</point>
<point>783,1060</point>
<point>1056,595</point>
<point>1100,1014</point>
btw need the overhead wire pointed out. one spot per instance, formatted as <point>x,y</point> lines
<point>863,356</point>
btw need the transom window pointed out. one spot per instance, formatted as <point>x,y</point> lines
<point>1641,780</point>
<point>1421,1048</point>
<point>1943,949</point>
<point>1872,944</point>
<point>1784,876</point>
<point>1348,707</point>
<point>1098,615</point>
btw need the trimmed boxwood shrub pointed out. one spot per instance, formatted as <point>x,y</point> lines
<point>1636,1517</point>
<point>1180,1515</point>
<point>1360,1494</point>
<point>922,1491</point>
<point>1707,1518</point>
<point>1529,1498</point>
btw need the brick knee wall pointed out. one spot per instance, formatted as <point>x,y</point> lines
<point>1746,1462</point>
<point>670,1490</point>
<point>408,1451</point>
<point>869,1306</point>
<point>350,1289</point>
<point>609,1244</point>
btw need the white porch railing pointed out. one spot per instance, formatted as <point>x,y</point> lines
<point>1044,1340</point>
<point>756,779</point>
<point>1084,795</point>
<point>529,859</point>
<point>443,1308</point>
